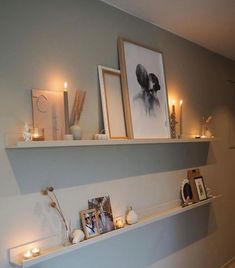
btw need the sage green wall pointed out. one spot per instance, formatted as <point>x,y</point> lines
<point>44,43</point>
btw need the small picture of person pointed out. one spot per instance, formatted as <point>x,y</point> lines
<point>90,223</point>
<point>102,205</point>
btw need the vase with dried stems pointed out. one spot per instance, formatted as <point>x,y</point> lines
<point>54,203</point>
<point>75,128</point>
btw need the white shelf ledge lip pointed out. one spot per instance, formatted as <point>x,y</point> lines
<point>61,250</point>
<point>74,143</point>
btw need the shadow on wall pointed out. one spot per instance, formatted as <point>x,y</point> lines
<point>67,167</point>
<point>145,246</point>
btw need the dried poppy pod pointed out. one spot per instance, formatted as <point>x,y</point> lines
<point>50,188</point>
<point>53,204</point>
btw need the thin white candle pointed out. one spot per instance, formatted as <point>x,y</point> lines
<point>66,108</point>
<point>173,106</point>
<point>181,118</point>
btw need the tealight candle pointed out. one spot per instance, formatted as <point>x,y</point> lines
<point>28,254</point>
<point>37,134</point>
<point>119,223</point>
<point>36,252</point>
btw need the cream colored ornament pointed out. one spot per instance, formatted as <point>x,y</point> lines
<point>131,217</point>
<point>77,236</point>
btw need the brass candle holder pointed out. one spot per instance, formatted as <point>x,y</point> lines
<point>173,124</point>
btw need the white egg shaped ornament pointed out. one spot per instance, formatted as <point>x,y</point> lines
<point>131,217</point>
<point>77,236</point>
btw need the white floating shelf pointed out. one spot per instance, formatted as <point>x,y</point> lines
<point>154,217</point>
<point>73,143</point>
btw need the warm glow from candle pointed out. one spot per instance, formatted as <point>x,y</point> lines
<point>28,254</point>
<point>36,134</point>
<point>173,102</point>
<point>36,251</point>
<point>119,223</point>
<point>65,86</point>
<point>181,102</point>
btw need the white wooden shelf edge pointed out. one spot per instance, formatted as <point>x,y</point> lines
<point>61,250</point>
<point>74,143</point>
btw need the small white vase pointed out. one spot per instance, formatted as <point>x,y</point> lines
<point>131,217</point>
<point>76,131</point>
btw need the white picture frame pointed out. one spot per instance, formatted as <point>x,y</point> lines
<point>144,91</point>
<point>112,103</point>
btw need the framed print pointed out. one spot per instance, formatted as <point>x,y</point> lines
<point>194,173</point>
<point>144,91</point>
<point>112,104</point>
<point>48,112</point>
<point>197,185</point>
<point>89,221</point>
<point>102,205</point>
<point>200,187</point>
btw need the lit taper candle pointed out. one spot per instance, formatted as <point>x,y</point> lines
<point>181,118</point>
<point>66,108</point>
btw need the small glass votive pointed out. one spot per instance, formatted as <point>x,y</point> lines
<point>36,252</point>
<point>28,254</point>
<point>37,134</point>
<point>119,222</point>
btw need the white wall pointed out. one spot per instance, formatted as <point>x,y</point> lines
<point>44,43</point>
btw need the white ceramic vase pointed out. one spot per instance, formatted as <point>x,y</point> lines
<point>76,131</point>
<point>131,217</point>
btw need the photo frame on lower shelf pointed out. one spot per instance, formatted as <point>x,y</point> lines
<point>197,185</point>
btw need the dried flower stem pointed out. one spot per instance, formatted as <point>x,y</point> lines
<point>55,204</point>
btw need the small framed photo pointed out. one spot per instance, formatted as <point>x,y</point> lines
<point>102,205</point>
<point>200,187</point>
<point>89,221</point>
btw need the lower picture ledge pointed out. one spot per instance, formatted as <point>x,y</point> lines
<point>49,253</point>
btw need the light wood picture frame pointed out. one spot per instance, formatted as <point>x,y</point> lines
<point>112,103</point>
<point>89,220</point>
<point>197,185</point>
<point>48,112</point>
<point>144,90</point>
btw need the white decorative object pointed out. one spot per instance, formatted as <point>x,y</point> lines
<point>101,137</point>
<point>68,137</point>
<point>76,131</point>
<point>131,217</point>
<point>26,134</point>
<point>77,236</point>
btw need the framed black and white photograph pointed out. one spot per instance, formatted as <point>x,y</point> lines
<point>89,221</point>
<point>102,205</point>
<point>144,90</point>
<point>112,103</point>
<point>201,190</point>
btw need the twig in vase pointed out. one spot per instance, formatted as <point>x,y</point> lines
<point>49,191</point>
<point>74,109</point>
<point>80,106</point>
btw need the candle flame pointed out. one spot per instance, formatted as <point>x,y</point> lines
<point>181,102</point>
<point>173,102</point>
<point>65,86</point>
